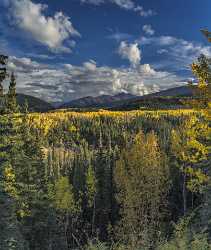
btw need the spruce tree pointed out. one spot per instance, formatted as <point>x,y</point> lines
<point>11,96</point>
<point>3,76</point>
<point>3,72</point>
<point>33,211</point>
<point>10,236</point>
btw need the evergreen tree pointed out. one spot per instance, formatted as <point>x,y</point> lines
<point>10,236</point>
<point>3,76</point>
<point>3,72</point>
<point>11,95</point>
<point>91,194</point>
<point>34,209</point>
<point>103,188</point>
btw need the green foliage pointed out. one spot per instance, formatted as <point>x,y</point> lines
<point>185,239</point>
<point>10,234</point>
<point>69,177</point>
<point>64,197</point>
<point>3,73</point>
<point>188,146</point>
<point>91,185</point>
<point>202,70</point>
<point>142,180</point>
<point>96,245</point>
<point>11,96</point>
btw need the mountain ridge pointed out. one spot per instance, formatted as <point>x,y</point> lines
<point>98,101</point>
<point>109,101</point>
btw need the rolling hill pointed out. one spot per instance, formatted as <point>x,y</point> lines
<point>34,104</point>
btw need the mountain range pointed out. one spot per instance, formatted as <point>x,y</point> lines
<point>124,99</point>
<point>99,101</point>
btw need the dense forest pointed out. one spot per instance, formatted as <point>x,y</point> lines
<point>104,180</point>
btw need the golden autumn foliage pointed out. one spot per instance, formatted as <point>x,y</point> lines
<point>45,121</point>
<point>189,147</point>
<point>114,168</point>
<point>141,175</point>
<point>9,180</point>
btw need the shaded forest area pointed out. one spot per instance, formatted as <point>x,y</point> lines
<point>106,180</point>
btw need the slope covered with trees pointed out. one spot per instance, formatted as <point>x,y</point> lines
<point>34,104</point>
<point>105,180</point>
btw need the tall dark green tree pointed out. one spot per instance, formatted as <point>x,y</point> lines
<point>3,71</point>
<point>33,211</point>
<point>3,76</point>
<point>11,95</point>
<point>10,236</point>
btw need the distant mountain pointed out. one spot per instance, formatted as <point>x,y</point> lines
<point>174,92</point>
<point>123,99</point>
<point>167,99</point>
<point>57,104</point>
<point>99,101</point>
<point>34,104</point>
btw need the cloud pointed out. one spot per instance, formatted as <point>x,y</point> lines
<point>90,66</point>
<point>144,13</point>
<point>118,36</point>
<point>146,69</point>
<point>174,53</point>
<point>123,4</point>
<point>160,41</point>
<point>67,82</point>
<point>49,31</point>
<point>23,64</point>
<point>147,28</point>
<point>94,2</point>
<point>130,52</point>
<point>162,51</point>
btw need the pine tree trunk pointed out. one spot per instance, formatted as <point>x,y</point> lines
<point>93,217</point>
<point>184,194</point>
<point>66,228</point>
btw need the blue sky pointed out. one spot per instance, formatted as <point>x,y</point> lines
<point>62,50</point>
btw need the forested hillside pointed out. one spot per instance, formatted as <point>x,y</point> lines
<point>34,104</point>
<point>105,180</point>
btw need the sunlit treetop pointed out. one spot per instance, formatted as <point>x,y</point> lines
<point>207,34</point>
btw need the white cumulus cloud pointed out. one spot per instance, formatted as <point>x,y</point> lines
<point>90,66</point>
<point>130,52</point>
<point>50,31</point>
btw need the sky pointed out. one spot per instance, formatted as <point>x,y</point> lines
<point>67,49</point>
